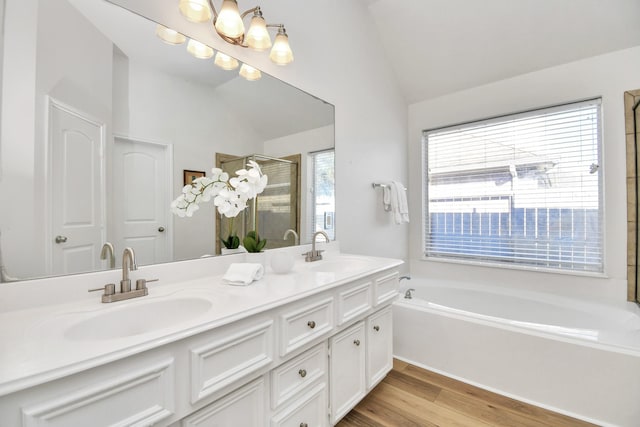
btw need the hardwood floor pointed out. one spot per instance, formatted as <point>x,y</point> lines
<point>411,396</point>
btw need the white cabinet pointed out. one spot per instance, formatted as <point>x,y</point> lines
<point>347,370</point>
<point>306,362</point>
<point>379,346</point>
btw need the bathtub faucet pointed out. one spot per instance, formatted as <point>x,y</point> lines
<point>408,294</point>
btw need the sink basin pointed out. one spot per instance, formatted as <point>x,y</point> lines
<point>340,265</point>
<point>137,319</point>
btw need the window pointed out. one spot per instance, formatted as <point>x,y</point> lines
<point>323,203</point>
<point>523,189</point>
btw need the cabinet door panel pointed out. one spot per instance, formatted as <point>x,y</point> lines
<point>379,346</point>
<point>347,370</point>
<point>243,407</point>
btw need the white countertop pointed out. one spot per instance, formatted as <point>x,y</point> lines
<point>36,347</point>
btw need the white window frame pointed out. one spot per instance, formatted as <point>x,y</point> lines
<point>478,261</point>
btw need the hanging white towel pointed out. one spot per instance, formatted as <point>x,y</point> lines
<point>394,199</point>
<point>242,274</point>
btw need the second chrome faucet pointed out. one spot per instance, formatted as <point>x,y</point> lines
<point>313,254</point>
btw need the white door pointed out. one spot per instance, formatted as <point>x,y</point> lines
<point>140,200</point>
<point>77,195</point>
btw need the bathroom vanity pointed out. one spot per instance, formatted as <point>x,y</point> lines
<point>295,349</point>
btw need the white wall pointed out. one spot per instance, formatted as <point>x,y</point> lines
<point>607,76</point>
<point>337,58</point>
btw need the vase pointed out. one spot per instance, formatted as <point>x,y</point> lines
<point>239,250</point>
<point>256,257</point>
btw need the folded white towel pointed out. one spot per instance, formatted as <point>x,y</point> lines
<point>242,274</point>
<point>394,199</point>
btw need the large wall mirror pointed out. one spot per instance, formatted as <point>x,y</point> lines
<point>100,123</point>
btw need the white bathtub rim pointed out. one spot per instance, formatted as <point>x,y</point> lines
<point>502,324</point>
<point>419,282</point>
<point>509,395</point>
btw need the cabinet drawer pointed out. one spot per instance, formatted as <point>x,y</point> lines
<point>298,374</point>
<point>353,302</point>
<point>310,411</point>
<point>142,396</point>
<point>301,324</point>
<point>229,355</point>
<point>244,407</point>
<point>386,288</point>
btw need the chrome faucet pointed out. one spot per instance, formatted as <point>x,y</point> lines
<point>107,251</point>
<point>409,292</point>
<point>296,239</point>
<point>128,263</point>
<point>313,254</point>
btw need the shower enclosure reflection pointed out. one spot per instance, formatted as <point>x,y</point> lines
<point>276,209</point>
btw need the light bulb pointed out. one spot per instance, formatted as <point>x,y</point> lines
<point>226,62</point>
<point>195,10</point>
<point>229,23</point>
<point>257,36</point>
<point>250,73</point>
<point>199,50</point>
<point>169,36</point>
<point>281,52</point>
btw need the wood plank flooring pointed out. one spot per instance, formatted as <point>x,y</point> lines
<point>411,396</point>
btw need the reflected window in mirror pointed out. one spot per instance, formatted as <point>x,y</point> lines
<point>323,200</point>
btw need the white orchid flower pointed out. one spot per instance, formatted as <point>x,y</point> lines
<point>230,195</point>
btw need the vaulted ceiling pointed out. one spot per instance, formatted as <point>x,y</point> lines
<point>441,46</point>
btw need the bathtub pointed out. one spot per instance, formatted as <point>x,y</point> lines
<point>577,358</point>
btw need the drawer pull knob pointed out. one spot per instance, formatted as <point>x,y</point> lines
<point>356,342</point>
<point>376,328</point>
<point>302,372</point>
<point>304,425</point>
<point>311,324</point>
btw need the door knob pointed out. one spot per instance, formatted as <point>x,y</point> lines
<point>161,229</point>
<point>61,239</point>
<point>356,342</point>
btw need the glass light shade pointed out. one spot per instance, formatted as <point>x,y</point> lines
<point>281,52</point>
<point>229,23</point>
<point>250,73</point>
<point>169,36</point>
<point>195,10</point>
<point>225,61</point>
<point>199,50</point>
<point>258,37</point>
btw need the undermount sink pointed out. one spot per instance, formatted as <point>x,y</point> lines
<point>340,265</point>
<point>135,319</point>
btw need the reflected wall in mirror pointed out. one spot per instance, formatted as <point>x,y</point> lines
<point>99,120</point>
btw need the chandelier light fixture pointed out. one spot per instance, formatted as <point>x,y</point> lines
<point>229,25</point>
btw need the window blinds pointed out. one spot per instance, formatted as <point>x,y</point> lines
<point>521,189</point>
<point>323,193</point>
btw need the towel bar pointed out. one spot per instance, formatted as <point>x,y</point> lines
<point>377,184</point>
